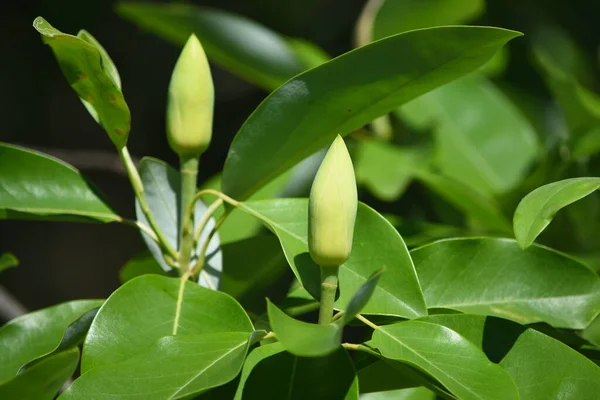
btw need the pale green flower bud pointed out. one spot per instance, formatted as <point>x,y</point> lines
<point>190,102</point>
<point>332,208</point>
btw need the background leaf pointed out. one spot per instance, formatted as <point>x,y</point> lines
<point>544,368</point>
<point>8,260</point>
<point>37,334</point>
<point>82,64</point>
<point>143,263</point>
<point>448,357</point>
<point>360,299</point>
<point>46,188</point>
<point>271,373</point>
<point>162,184</point>
<point>240,45</point>
<point>376,245</point>
<point>147,304</point>
<point>495,277</point>
<point>301,338</point>
<point>42,380</point>
<point>174,367</point>
<point>535,212</point>
<point>344,94</point>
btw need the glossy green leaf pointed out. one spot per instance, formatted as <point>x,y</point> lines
<point>544,368</point>
<point>37,334</point>
<point>376,245</point>
<point>481,138</point>
<point>42,380</point>
<point>495,277</point>
<point>535,212</point>
<point>482,210</point>
<point>147,304</point>
<point>397,16</point>
<point>240,45</point>
<point>85,67</point>
<point>250,267</point>
<point>419,393</point>
<point>588,144</point>
<point>46,188</point>
<point>387,170</point>
<point>361,298</point>
<point>447,356</point>
<point>342,95</point>
<point>8,260</point>
<point>143,263</point>
<point>173,367</point>
<point>162,185</point>
<point>302,338</point>
<point>592,332</point>
<point>107,63</point>
<point>271,373</point>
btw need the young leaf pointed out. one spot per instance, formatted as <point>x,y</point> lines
<point>477,131</point>
<point>142,264</point>
<point>162,184</point>
<point>240,45</point>
<point>107,63</point>
<point>376,245</point>
<point>535,212</point>
<point>148,304</point>
<point>8,260</point>
<point>544,368</point>
<point>448,357</point>
<point>301,338</point>
<point>361,298</point>
<point>44,379</point>
<point>37,334</point>
<point>340,96</point>
<point>86,70</point>
<point>495,277</point>
<point>173,367</point>
<point>271,373</point>
<point>45,188</point>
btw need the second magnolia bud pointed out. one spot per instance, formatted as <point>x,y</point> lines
<point>332,208</point>
<point>191,101</point>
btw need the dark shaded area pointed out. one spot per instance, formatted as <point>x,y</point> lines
<point>64,261</point>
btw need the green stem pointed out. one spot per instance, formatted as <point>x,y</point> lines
<point>329,283</point>
<point>138,189</point>
<point>189,176</point>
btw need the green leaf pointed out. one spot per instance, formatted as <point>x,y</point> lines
<point>419,393</point>
<point>173,367</point>
<point>43,187</point>
<point>480,208</point>
<point>448,357</point>
<point>360,299</point>
<point>387,170</point>
<point>481,138</point>
<point>535,212</point>
<point>592,332</point>
<point>37,334</point>
<point>271,373</point>
<point>376,245</point>
<point>397,16</point>
<point>107,63</point>
<point>85,66</point>
<point>488,276</point>
<point>8,260</point>
<point>240,45</point>
<point>142,264</point>
<point>302,338</point>
<point>544,368</point>
<point>42,380</point>
<point>340,96</point>
<point>148,304</point>
<point>162,185</point>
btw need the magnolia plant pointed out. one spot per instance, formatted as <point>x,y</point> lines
<point>209,310</point>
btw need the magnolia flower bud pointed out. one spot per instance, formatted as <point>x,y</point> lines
<point>190,102</point>
<point>332,208</point>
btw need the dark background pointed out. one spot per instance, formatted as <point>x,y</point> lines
<point>38,109</point>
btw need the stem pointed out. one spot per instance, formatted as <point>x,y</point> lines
<point>138,189</point>
<point>189,176</point>
<point>366,321</point>
<point>217,193</point>
<point>329,283</point>
<point>184,278</point>
<point>205,218</point>
<point>200,263</point>
<point>337,316</point>
<point>143,228</point>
